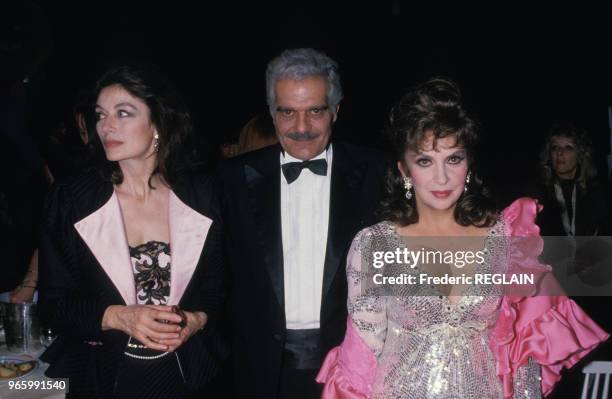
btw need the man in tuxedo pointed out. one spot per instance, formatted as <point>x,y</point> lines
<point>290,212</point>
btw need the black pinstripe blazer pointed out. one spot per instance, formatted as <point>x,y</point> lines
<point>75,288</point>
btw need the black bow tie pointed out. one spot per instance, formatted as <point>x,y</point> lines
<point>292,170</point>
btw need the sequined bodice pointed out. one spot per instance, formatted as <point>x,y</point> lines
<point>428,346</point>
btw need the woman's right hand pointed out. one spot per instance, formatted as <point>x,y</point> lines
<point>145,323</point>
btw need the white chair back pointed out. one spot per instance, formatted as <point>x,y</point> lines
<point>596,369</point>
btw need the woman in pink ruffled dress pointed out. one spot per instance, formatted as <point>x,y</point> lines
<point>468,340</point>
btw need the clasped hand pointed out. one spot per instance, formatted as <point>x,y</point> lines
<point>156,326</point>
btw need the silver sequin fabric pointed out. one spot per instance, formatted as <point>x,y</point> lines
<point>426,345</point>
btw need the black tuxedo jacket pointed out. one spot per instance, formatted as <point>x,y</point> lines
<point>76,287</point>
<point>251,217</point>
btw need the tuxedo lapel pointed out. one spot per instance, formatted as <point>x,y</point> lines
<point>263,181</point>
<point>346,181</point>
<point>188,231</point>
<point>104,234</point>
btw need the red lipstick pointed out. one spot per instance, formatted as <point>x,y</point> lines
<point>441,194</point>
<point>112,143</point>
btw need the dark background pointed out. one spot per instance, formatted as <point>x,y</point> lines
<point>521,69</point>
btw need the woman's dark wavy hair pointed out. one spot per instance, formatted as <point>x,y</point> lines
<point>168,112</point>
<point>434,107</point>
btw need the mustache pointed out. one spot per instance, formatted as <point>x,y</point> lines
<point>302,136</point>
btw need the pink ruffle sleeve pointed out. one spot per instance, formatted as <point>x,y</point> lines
<point>551,329</point>
<point>348,370</point>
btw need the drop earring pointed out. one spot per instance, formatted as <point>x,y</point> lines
<point>467,181</point>
<point>156,142</point>
<point>408,187</point>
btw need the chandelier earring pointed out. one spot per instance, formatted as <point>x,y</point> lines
<point>408,187</point>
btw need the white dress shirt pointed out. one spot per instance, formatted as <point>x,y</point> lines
<point>304,220</point>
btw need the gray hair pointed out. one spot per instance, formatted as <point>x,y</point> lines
<point>299,64</point>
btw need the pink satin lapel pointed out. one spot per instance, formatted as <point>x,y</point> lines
<point>188,231</point>
<point>104,234</point>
